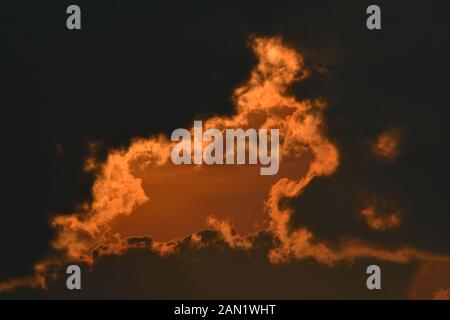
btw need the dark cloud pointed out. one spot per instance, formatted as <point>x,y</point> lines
<point>394,79</point>
<point>132,64</point>
<point>217,271</point>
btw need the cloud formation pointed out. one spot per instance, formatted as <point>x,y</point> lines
<point>387,145</point>
<point>380,222</point>
<point>264,101</point>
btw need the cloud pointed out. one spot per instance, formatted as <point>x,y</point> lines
<point>43,271</point>
<point>380,222</point>
<point>431,281</point>
<point>264,101</point>
<point>387,145</point>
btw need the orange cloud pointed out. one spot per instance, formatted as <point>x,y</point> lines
<point>387,145</point>
<point>139,191</point>
<point>432,281</point>
<point>119,190</point>
<point>43,270</point>
<point>380,222</point>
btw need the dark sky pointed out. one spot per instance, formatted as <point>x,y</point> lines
<point>139,68</point>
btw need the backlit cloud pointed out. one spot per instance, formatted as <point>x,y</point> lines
<point>142,200</point>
